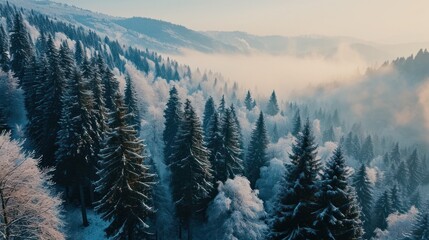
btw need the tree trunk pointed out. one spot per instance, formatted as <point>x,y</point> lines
<point>180,230</point>
<point>82,206</point>
<point>189,231</point>
<point>91,194</point>
<point>5,219</point>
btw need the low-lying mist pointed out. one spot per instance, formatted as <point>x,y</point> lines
<point>261,73</point>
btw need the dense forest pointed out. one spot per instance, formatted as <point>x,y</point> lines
<point>146,148</point>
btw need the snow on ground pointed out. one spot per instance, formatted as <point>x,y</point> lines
<point>75,229</point>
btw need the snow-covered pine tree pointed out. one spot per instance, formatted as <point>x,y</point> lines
<point>364,189</point>
<point>79,53</point>
<point>414,171</point>
<point>329,135</point>
<point>172,114</point>
<point>382,209</point>
<point>110,84</point>
<point>273,106</point>
<point>75,144</point>
<point>248,101</point>
<point>256,154</point>
<point>125,184</point>
<point>209,110</point>
<point>367,150</point>
<point>67,62</point>
<point>191,173</point>
<point>28,210</point>
<point>395,155</point>
<point>4,49</point>
<point>21,49</point>
<point>53,90</point>
<point>395,200</point>
<point>420,229</point>
<point>230,163</point>
<point>236,212</point>
<point>214,143</point>
<point>130,99</point>
<point>222,106</point>
<point>293,216</point>
<point>337,216</point>
<point>296,128</point>
<point>402,176</point>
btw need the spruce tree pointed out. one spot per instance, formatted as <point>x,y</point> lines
<point>395,155</point>
<point>293,215</point>
<point>420,230</point>
<point>133,112</point>
<point>364,190</point>
<point>53,90</point>
<point>67,62</point>
<point>79,53</point>
<point>329,135</point>
<point>74,139</point>
<point>125,184</point>
<point>337,215</point>
<point>231,163</point>
<point>414,171</point>
<point>3,121</point>
<point>248,101</point>
<point>402,175</point>
<point>273,107</point>
<point>256,154</point>
<point>21,49</point>
<point>296,128</point>
<point>173,114</point>
<point>395,200</point>
<point>4,49</point>
<point>191,174</point>
<point>382,209</point>
<point>111,88</point>
<point>214,143</point>
<point>222,106</point>
<point>367,151</point>
<point>209,110</point>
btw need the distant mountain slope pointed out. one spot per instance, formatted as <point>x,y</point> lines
<point>169,38</point>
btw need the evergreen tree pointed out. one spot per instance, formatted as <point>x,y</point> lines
<point>222,106</point>
<point>133,112</point>
<point>420,229</point>
<point>395,200</point>
<point>273,107</point>
<point>414,171</point>
<point>173,115</point>
<point>214,143</point>
<point>79,53</point>
<point>296,128</point>
<point>53,89</point>
<point>395,155</point>
<point>125,183</point>
<point>21,49</point>
<point>275,134</point>
<point>256,154</point>
<point>364,191</point>
<point>356,147</point>
<point>329,135</point>
<point>382,209</point>
<point>293,215</point>
<point>337,216</point>
<point>386,159</point>
<point>401,175</point>
<point>209,110</point>
<point>67,62</point>
<point>248,101</point>
<point>230,163</point>
<point>4,49</point>
<point>367,150</point>
<point>74,139</point>
<point>191,174</point>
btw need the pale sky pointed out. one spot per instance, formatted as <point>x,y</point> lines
<point>385,21</point>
